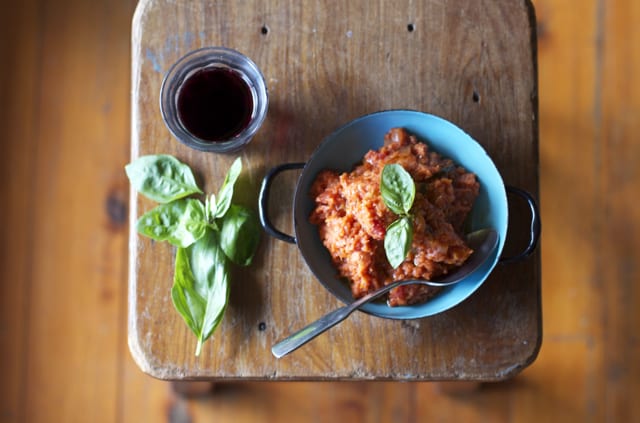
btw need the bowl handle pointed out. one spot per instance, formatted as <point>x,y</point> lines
<point>534,229</point>
<point>263,201</point>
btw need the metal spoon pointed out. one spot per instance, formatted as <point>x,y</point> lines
<point>483,242</point>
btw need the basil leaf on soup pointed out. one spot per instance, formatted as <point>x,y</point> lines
<point>397,241</point>
<point>181,222</point>
<point>397,188</point>
<point>200,290</point>
<point>226,190</point>
<point>162,178</point>
<point>240,234</point>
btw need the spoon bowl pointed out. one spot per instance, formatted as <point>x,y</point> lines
<point>483,242</point>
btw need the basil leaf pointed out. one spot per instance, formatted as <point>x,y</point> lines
<point>162,178</point>
<point>226,190</point>
<point>186,298</point>
<point>397,241</point>
<point>211,274</point>
<point>397,188</point>
<point>200,292</point>
<point>240,234</point>
<point>181,222</point>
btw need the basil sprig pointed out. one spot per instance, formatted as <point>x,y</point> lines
<point>209,236</point>
<point>398,191</point>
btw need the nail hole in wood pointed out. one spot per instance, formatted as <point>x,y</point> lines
<point>476,97</point>
<point>262,326</point>
<point>411,27</point>
<point>264,30</point>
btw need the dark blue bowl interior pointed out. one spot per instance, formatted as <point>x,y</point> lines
<point>347,146</point>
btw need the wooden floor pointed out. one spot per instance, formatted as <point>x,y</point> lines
<point>64,90</point>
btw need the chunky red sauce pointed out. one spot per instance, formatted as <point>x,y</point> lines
<point>352,218</point>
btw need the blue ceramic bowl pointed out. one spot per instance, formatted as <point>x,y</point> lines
<point>346,147</point>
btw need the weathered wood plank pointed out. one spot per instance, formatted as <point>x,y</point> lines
<point>77,228</point>
<point>568,158</point>
<point>19,84</point>
<point>618,228</point>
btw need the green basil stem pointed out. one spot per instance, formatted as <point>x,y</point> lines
<point>199,346</point>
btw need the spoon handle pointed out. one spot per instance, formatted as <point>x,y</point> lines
<point>329,320</point>
<point>310,331</point>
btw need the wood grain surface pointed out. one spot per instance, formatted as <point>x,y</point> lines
<point>65,93</point>
<point>472,63</point>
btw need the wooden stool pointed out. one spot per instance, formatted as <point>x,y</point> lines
<point>473,63</point>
